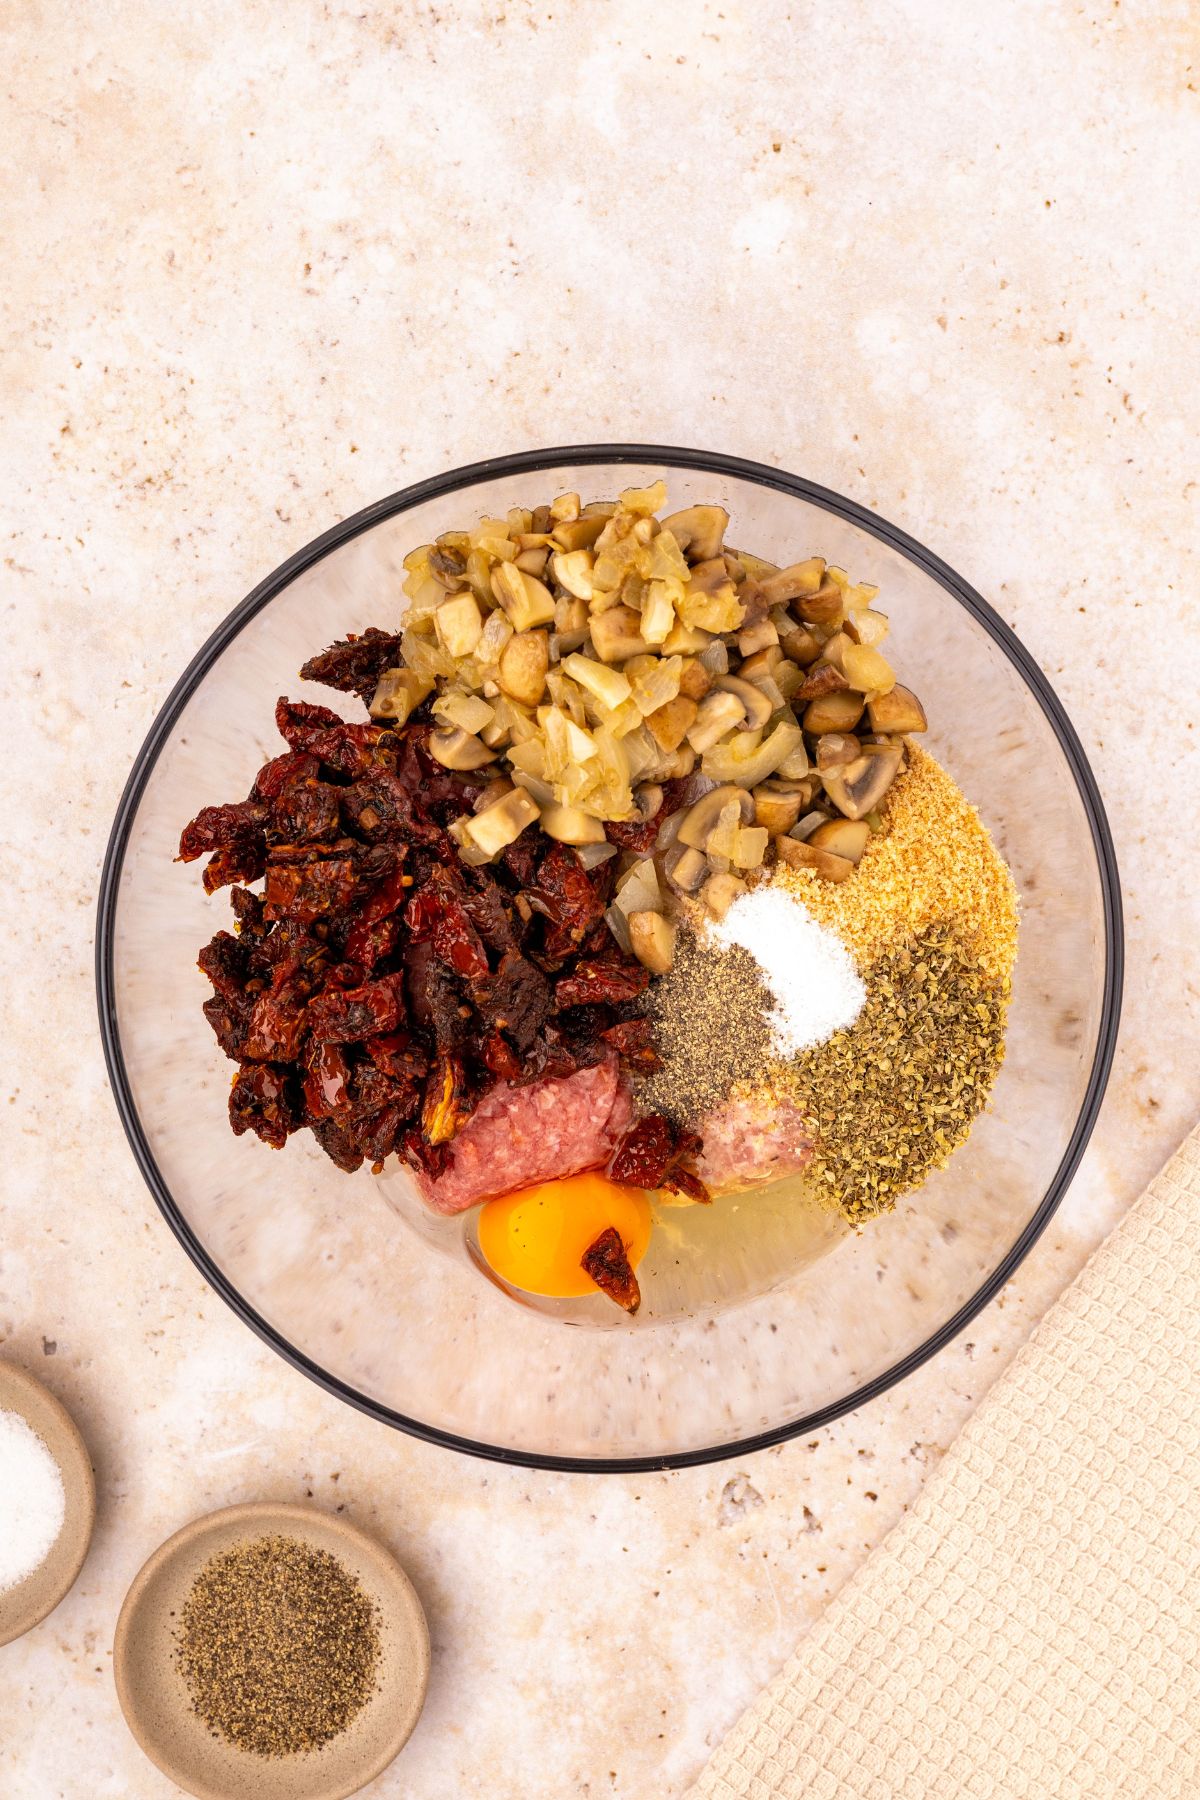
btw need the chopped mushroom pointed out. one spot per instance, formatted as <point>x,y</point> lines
<point>698,530</point>
<point>524,661</point>
<point>801,645</point>
<point>822,680</point>
<point>704,814</point>
<point>824,862</point>
<point>754,702</point>
<point>502,823</point>
<point>459,750</point>
<point>721,890</point>
<point>898,711</point>
<point>822,608</point>
<point>398,693</point>
<point>834,712</point>
<point>858,788</point>
<point>776,812</point>
<point>797,579</point>
<point>526,600</point>
<point>616,634</point>
<point>606,1262</point>
<point>694,679</point>
<point>685,867</point>
<point>571,825</point>
<point>653,941</point>
<point>718,714</point>
<point>835,749</point>
<point>670,724</point>
<point>844,837</point>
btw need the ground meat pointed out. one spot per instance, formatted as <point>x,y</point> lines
<point>749,1141</point>
<point>517,1136</point>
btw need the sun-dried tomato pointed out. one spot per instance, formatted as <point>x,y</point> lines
<point>352,749</point>
<point>377,986</point>
<point>261,1101</point>
<point>243,861</point>
<point>376,927</point>
<point>381,808</point>
<point>228,963</point>
<point>368,1011</point>
<point>606,1262</point>
<point>222,828</point>
<point>248,912</point>
<point>281,771</point>
<point>633,1040</point>
<point>517,999</point>
<point>653,1154</point>
<point>436,912</point>
<point>445,1109</point>
<point>499,1058</point>
<point>327,1083</point>
<point>229,1020</point>
<point>278,1023</point>
<point>563,893</point>
<point>416,1148</point>
<point>304,812</point>
<point>310,890</point>
<point>336,1138</point>
<point>354,665</point>
<point>298,720</point>
<point>596,983</point>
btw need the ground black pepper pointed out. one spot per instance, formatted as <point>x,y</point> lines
<point>711,1032</point>
<point>278,1646</point>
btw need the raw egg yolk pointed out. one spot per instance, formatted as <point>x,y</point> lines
<point>536,1238</point>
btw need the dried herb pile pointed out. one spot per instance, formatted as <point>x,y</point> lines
<point>278,1645</point>
<point>891,1097</point>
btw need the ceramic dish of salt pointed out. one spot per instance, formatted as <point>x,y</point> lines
<point>47,1502</point>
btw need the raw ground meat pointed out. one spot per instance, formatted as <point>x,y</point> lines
<point>748,1141</point>
<point>520,1135</point>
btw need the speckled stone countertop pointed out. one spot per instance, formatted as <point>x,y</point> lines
<point>265,264</point>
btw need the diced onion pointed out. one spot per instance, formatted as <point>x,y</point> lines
<point>592,855</point>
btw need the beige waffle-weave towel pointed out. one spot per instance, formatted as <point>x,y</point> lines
<point>1031,1629</point>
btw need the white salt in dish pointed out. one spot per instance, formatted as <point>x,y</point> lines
<point>807,968</point>
<point>33,1501</point>
<point>28,1410</point>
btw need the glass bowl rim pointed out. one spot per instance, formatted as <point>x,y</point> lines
<point>523,462</point>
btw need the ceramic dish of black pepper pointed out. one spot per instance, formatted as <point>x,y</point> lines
<point>274,1651</point>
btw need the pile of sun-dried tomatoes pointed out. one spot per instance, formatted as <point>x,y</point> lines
<point>378,987</point>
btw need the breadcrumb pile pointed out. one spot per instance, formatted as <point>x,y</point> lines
<point>933,861</point>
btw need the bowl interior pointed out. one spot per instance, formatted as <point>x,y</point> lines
<point>766,1315</point>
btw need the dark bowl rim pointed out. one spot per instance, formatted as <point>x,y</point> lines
<point>521,462</point>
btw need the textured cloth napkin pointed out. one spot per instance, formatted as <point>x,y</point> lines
<point>1031,1629</point>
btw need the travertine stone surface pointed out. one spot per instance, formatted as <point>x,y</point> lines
<point>264,264</point>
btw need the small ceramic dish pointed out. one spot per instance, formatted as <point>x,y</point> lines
<point>27,1604</point>
<point>155,1701</point>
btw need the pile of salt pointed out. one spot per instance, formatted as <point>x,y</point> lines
<point>808,969</point>
<point>33,1501</point>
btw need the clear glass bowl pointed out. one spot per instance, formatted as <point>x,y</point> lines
<point>793,1321</point>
